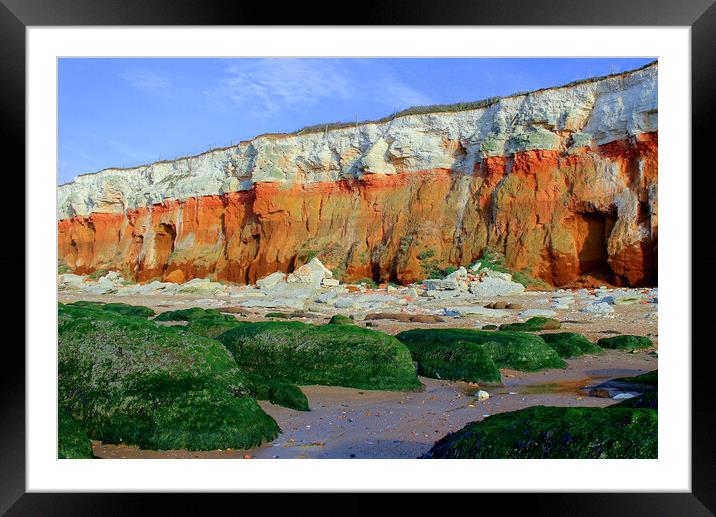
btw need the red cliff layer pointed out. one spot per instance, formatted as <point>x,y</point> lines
<point>555,216</point>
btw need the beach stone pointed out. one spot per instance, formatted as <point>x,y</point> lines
<point>492,286</point>
<point>515,306</point>
<point>201,286</point>
<point>271,280</point>
<point>598,308</point>
<point>426,318</point>
<point>623,396</point>
<point>397,316</point>
<point>499,305</point>
<point>497,274</point>
<point>330,282</point>
<point>531,313</point>
<point>482,395</point>
<point>311,273</point>
<point>474,310</point>
<point>475,267</point>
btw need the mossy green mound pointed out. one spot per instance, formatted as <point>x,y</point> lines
<point>556,433</point>
<point>458,361</point>
<point>334,355</point>
<point>128,380</point>
<point>532,325</point>
<point>649,378</point>
<point>195,313</point>
<point>625,342</point>
<point>570,344</point>
<point>340,319</point>
<point>283,315</point>
<point>649,399</point>
<point>209,327</point>
<point>120,308</point>
<point>72,441</point>
<point>506,349</point>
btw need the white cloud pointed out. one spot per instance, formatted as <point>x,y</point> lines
<point>148,82</point>
<point>265,86</point>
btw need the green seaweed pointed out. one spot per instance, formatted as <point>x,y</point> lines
<point>571,344</point>
<point>507,349</point>
<point>128,380</point>
<point>194,313</point>
<point>458,361</point>
<point>334,355</point>
<point>625,342</point>
<point>555,432</point>
<point>72,441</point>
<point>534,324</point>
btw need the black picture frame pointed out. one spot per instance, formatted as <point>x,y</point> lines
<point>700,15</point>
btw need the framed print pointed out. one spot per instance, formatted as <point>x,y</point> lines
<point>406,250</point>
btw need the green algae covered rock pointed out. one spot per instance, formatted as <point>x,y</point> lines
<point>649,378</point>
<point>506,349</point>
<point>333,355</point>
<point>625,342</point>
<point>534,324</point>
<point>458,361</point>
<point>195,313</point>
<point>127,380</point>
<point>210,328</point>
<point>556,433</point>
<point>649,399</point>
<point>340,319</point>
<point>72,441</point>
<point>277,392</point>
<point>120,308</point>
<point>570,344</point>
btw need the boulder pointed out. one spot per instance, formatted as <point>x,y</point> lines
<point>493,286</point>
<point>330,282</point>
<point>201,286</point>
<point>271,280</point>
<point>311,273</point>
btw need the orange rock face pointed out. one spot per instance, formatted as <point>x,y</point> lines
<point>555,216</point>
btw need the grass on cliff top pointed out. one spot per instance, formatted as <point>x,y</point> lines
<point>555,433</point>
<point>332,355</point>
<point>195,313</point>
<point>72,441</point>
<point>571,344</point>
<point>534,324</point>
<point>625,342</point>
<point>458,361</point>
<point>506,349</point>
<point>120,308</point>
<point>127,380</point>
<point>453,107</point>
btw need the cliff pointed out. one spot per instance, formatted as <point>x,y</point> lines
<point>563,181</point>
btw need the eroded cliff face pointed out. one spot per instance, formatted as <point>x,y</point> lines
<point>562,181</point>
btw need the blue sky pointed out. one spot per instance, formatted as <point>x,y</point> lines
<point>125,112</point>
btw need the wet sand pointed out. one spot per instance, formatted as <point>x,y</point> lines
<point>347,423</point>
